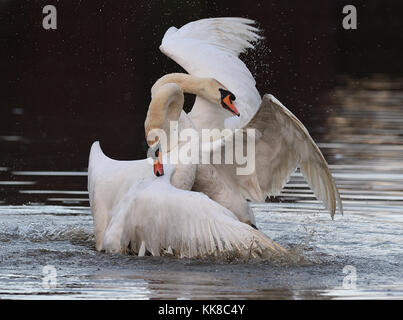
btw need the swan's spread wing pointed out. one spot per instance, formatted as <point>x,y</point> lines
<point>161,219</point>
<point>233,35</point>
<point>210,48</point>
<point>108,180</point>
<point>284,145</point>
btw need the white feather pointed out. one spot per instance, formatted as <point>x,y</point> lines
<point>135,211</point>
<point>210,48</point>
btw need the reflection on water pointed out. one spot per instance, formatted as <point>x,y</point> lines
<point>45,219</point>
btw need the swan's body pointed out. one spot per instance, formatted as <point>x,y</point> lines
<point>135,211</point>
<point>210,48</point>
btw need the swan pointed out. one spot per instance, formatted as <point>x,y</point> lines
<point>211,48</point>
<point>140,207</point>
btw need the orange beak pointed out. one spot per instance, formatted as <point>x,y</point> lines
<point>227,102</point>
<point>158,167</point>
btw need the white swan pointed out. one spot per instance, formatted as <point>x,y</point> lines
<point>136,211</point>
<point>210,48</point>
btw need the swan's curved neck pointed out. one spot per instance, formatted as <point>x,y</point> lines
<point>205,112</point>
<point>166,106</point>
<point>189,84</point>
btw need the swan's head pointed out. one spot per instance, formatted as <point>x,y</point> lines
<point>218,94</point>
<point>227,98</point>
<point>155,153</point>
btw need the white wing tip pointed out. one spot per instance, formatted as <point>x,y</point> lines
<point>238,33</point>
<point>169,33</point>
<point>96,154</point>
<point>95,147</point>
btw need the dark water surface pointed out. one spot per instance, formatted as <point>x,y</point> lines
<point>45,220</point>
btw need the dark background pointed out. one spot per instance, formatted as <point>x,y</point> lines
<point>90,79</point>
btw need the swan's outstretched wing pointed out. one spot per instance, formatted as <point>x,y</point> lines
<point>284,145</point>
<point>210,48</point>
<point>108,180</point>
<point>159,218</point>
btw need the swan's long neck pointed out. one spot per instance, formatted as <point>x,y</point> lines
<point>188,83</point>
<point>205,113</point>
<point>166,106</point>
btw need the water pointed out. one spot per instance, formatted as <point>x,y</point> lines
<point>45,220</point>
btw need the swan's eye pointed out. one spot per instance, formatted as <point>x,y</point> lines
<point>227,99</point>
<point>225,93</point>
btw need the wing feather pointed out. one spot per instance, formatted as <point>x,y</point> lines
<point>233,35</point>
<point>210,48</point>
<point>284,145</point>
<point>160,215</point>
